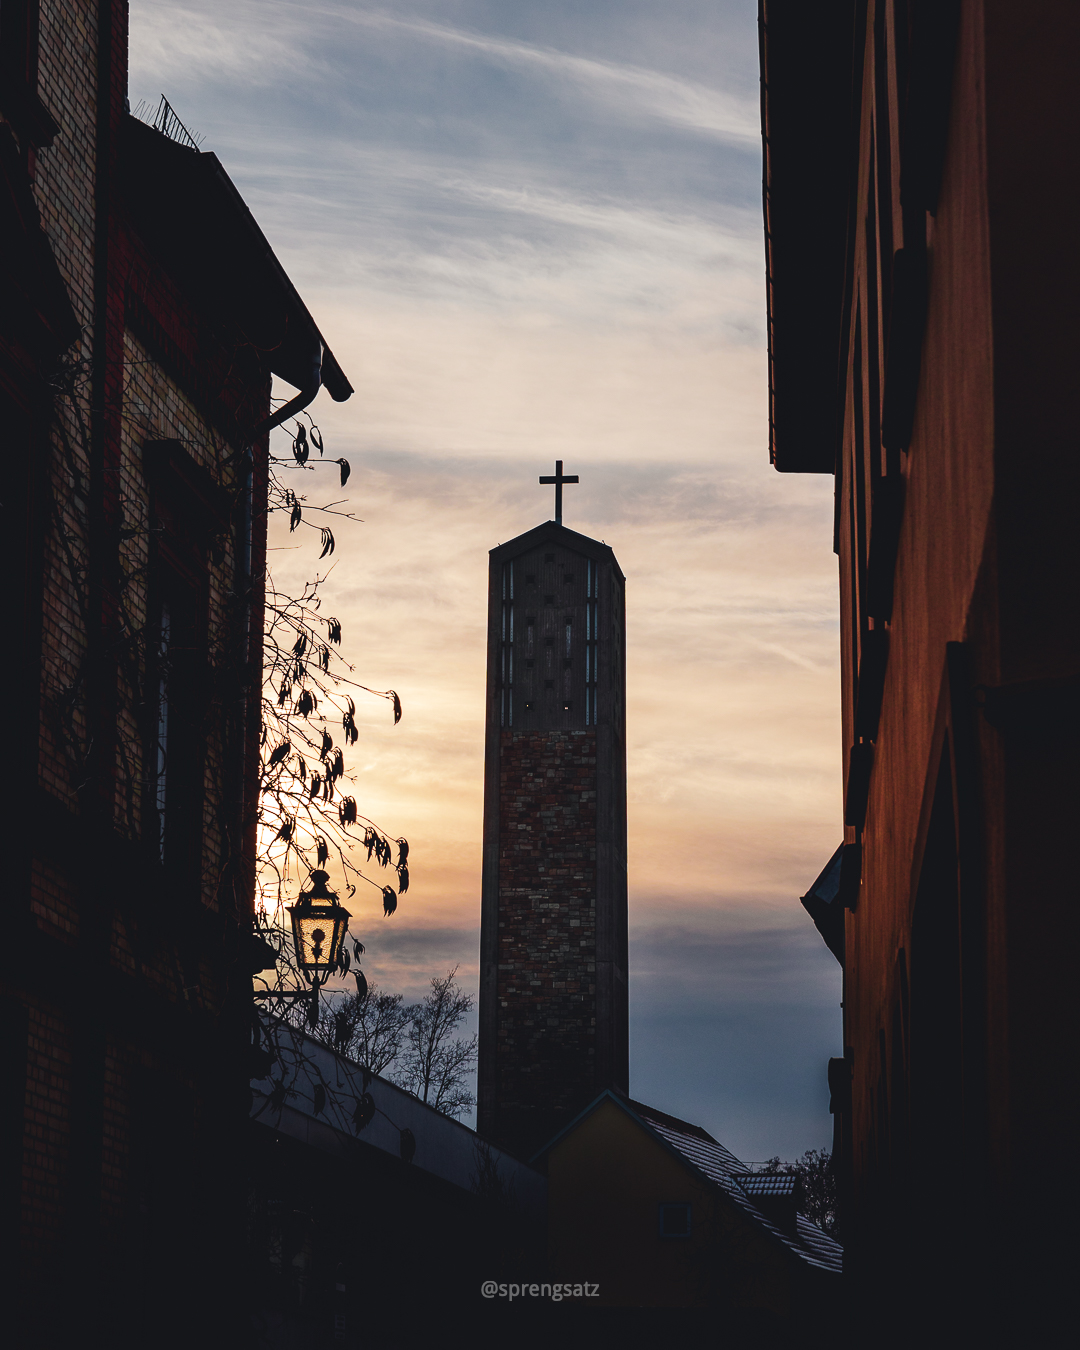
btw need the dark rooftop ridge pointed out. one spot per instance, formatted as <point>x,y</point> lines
<point>672,1122</point>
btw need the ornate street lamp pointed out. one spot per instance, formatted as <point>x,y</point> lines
<point>319,926</point>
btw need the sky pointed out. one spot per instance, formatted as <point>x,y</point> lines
<point>529,231</point>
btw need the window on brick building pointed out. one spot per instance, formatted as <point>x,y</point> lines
<point>675,1220</point>
<point>177,665</point>
<point>19,39</point>
<point>22,108</point>
<point>187,510</point>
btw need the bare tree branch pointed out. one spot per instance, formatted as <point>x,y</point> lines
<point>436,1064</point>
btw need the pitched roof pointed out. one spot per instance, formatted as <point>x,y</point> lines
<point>311,1093</point>
<point>717,1165</point>
<point>692,1142</point>
<point>185,203</point>
<point>817,1247</point>
<point>551,532</point>
<point>769,1184</point>
<point>742,1187</point>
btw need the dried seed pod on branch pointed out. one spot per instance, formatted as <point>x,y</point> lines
<point>308,818</point>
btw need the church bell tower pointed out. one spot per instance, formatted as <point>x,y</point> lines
<point>553,936</point>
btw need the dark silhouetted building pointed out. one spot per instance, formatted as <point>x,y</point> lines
<point>921,200</point>
<point>378,1226</point>
<point>665,1217</point>
<point>142,315</point>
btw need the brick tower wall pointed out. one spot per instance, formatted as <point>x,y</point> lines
<point>546,1047</point>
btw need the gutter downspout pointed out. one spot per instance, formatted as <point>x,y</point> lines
<point>301,401</point>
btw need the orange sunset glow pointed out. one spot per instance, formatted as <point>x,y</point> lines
<point>499,302</point>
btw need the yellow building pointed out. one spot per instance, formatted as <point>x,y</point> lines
<point>659,1214</point>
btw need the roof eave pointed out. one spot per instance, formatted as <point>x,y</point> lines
<point>806,118</point>
<point>333,377</point>
<point>188,207</point>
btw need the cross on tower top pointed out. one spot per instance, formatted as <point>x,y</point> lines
<point>559,479</point>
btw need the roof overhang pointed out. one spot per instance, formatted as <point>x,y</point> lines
<point>807,83</point>
<point>825,906</point>
<point>188,209</point>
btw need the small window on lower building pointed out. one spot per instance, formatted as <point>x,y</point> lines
<point>674,1221</point>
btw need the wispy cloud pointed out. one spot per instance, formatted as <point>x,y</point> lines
<point>171,44</point>
<point>337,181</point>
<point>256,42</point>
<point>540,246</point>
<point>351,184</point>
<point>632,90</point>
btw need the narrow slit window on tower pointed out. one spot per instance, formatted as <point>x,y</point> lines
<point>506,694</point>
<point>592,662</point>
<point>510,661</point>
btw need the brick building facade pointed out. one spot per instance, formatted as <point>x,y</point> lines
<point>143,316</point>
<point>921,204</point>
<point>553,992</point>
